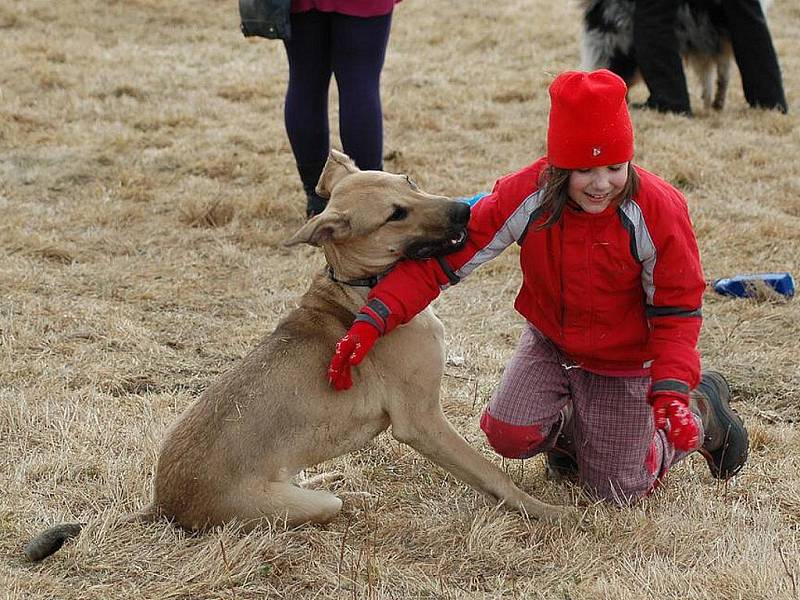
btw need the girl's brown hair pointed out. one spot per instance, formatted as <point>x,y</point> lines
<point>554,184</point>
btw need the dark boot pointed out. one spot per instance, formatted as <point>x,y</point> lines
<point>309,175</point>
<point>560,464</point>
<point>726,442</point>
<point>315,204</point>
<point>560,460</point>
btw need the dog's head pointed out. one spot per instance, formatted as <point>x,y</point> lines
<point>375,218</point>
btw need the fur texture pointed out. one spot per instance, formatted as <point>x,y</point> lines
<point>233,454</point>
<point>702,33</point>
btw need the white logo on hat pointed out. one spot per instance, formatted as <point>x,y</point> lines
<point>596,151</point>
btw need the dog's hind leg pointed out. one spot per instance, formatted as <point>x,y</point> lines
<point>258,500</point>
<point>704,67</point>
<point>431,434</point>
<point>724,60</point>
<point>320,480</point>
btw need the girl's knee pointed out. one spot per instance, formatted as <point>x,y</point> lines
<point>512,441</point>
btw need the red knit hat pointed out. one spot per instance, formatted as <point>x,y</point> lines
<point>589,121</point>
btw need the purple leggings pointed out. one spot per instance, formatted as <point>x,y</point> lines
<point>353,50</point>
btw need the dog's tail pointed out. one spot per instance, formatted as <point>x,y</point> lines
<point>50,540</point>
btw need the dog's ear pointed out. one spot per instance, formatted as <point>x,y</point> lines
<point>327,226</point>
<point>338,165</point>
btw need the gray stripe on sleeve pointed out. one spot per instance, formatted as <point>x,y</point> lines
<point>379,308</point>
<point>642,246</point>
<point>672,311</point>
<point>516,224</point>
<point>670,385</point>
<point>381,327</point>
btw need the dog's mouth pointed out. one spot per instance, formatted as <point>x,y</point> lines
<point>428,248</point>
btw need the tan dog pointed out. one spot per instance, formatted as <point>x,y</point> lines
<point>233,453</point>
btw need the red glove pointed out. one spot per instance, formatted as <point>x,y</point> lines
<point>673,409</point>
<point>350,351</point>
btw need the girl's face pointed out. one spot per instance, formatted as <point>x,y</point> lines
<point>594,189</point>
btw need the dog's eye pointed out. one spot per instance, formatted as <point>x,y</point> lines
<point>399,214</point>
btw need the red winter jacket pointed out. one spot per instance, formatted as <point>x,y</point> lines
<point>618,291</point>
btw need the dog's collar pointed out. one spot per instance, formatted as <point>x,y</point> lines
<point>366,282</point>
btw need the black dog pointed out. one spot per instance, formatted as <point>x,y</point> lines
<point>701,30</point>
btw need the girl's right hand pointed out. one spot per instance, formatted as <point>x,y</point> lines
<point>350,351</point>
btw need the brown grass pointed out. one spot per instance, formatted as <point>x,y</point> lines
<point>145,186</point>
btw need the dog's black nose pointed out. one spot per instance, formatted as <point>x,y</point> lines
<point>460,213</point>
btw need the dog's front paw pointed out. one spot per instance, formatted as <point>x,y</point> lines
<point>567,516</point>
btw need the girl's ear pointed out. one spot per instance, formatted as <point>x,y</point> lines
<point>325,227</point>
<point>339,165</point>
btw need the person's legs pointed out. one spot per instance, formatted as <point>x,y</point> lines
<point>656,49</point>
<point>524,416</point>
<point>755,54</point>
<point>620,454</point>
<point>306,106</point>
<point>358,51</point>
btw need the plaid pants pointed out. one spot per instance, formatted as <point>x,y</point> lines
<point>610,433</point>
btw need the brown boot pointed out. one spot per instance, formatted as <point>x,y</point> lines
<point>726,442</point>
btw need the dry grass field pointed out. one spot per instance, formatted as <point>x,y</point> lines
<point>146,185</point>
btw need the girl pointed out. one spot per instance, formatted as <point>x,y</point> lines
<point>606,377</point>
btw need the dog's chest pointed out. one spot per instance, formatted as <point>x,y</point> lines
<point>415,349</point>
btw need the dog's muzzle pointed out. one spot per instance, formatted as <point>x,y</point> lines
<point>451,241</point>
<point>426,248</point>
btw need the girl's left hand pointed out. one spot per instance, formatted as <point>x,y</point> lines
<point>672,414</point>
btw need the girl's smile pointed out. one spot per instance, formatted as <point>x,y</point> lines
<point>596,188</point>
